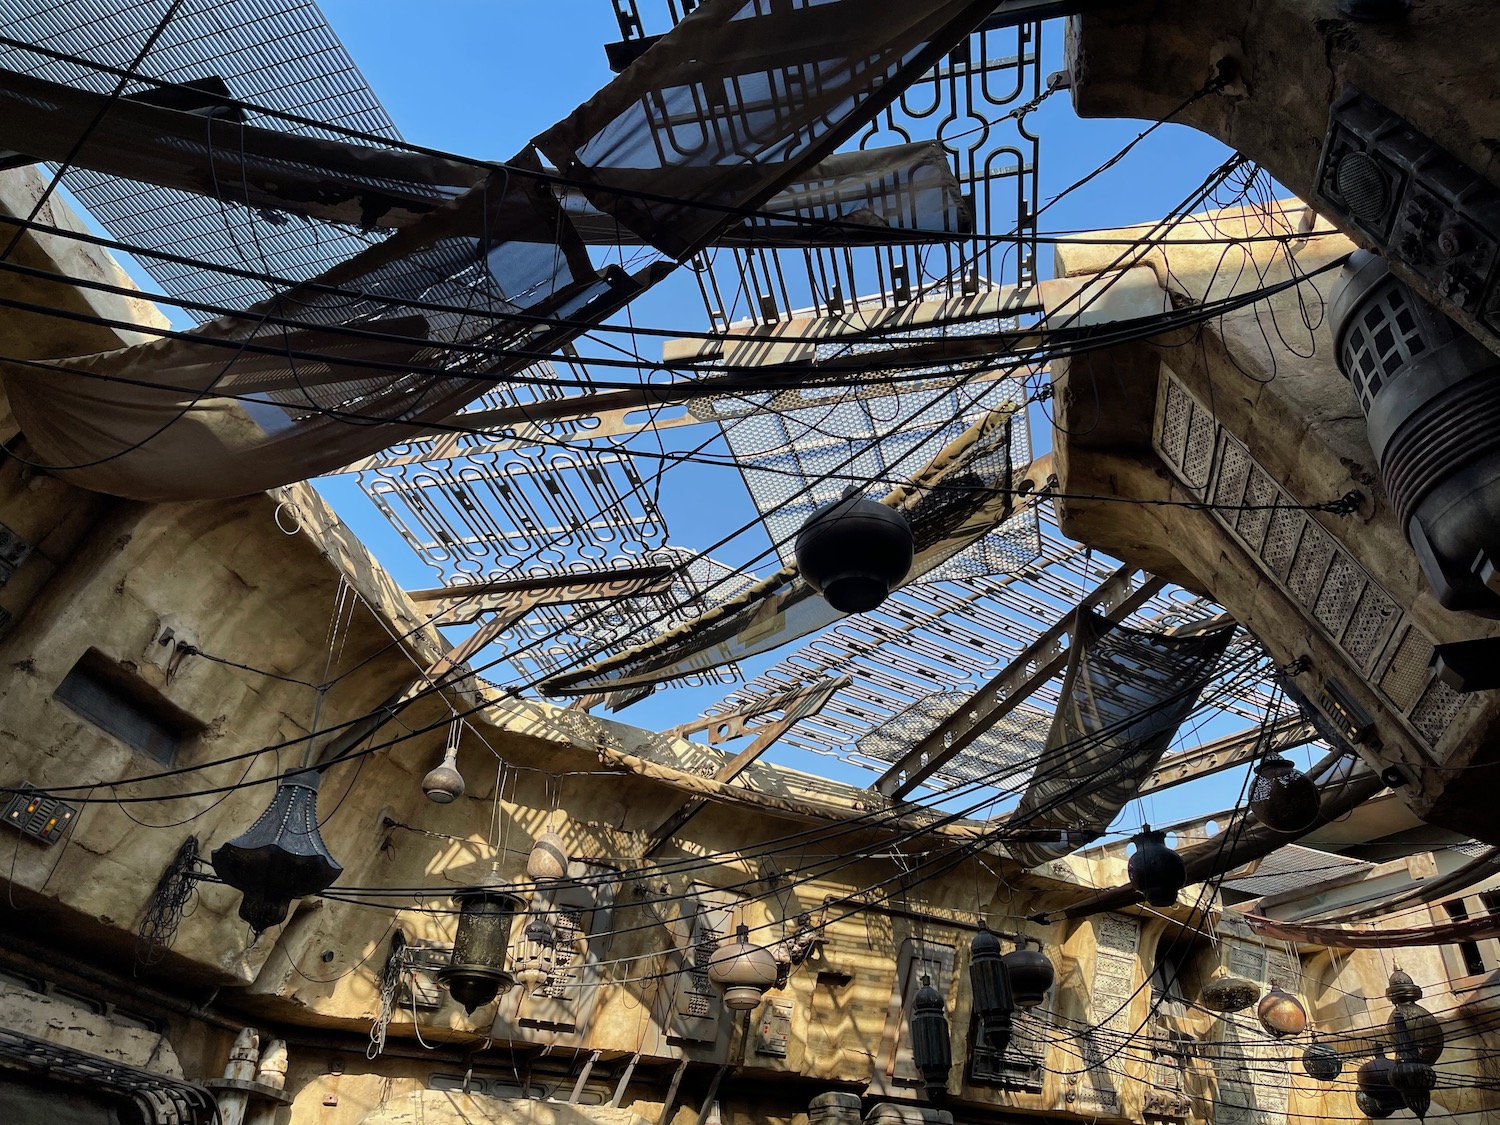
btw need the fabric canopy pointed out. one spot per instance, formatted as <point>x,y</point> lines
<point>1343,937</point>
<point>738,101</point>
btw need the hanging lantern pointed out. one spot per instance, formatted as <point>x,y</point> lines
<point>1423,1027</point>
<point>443,783</point>
<point>476,974</point>
<point>549,859</point>
<point>1155,869</point>
<point>744,971</point>
<point>989,986</point>
<point>1412,1078</point>
<point>1281,1013</point>
<point>1225,992</point>
<point>854,552</point>
<point>930,1047</point>
<point>281,857</point>
<point>1282,797</point>
<point>1030,974</point>
<point>1321,1061</point>
<point>1371,1106</point>
<point>1374,1081</point>
<point>535,957</point>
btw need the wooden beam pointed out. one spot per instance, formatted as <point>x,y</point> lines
<point>1037,663</point>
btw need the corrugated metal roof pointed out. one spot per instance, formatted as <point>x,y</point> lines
<point>1292,867</point>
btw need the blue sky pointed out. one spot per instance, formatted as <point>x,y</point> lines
<point>481,78</point>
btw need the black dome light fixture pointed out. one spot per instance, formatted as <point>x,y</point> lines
<point>1282,797</point>
<point>931,1049</point>
<point>1030,973</point>
<point>475,973</point>
<point>1321,1061</point>
<point>990,992</point>
<point>1155,869</point>
<point>1376,1096</point>
<point>281,857</point>
<point>854,551</point>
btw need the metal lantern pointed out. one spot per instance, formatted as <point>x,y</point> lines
<point>1282,797</point>
<point>549,858</point>
<point>1321,1061</point>
<point>1423,1027</point>
<point>854,552</point>
<point>1030,974</point>
<point>443,783</point>
<point>743,970</point>
<point>989,986</point>
<point>1281,1013</point>
<point>1412,1078</point>
<point>281,857</point>
<point>1372,1106</point>
<point>1374,1082</point>
<point>535,957</point>
<point>1225,992</point>
<point>1155,869</point>
<point>930,1047</point>
<point>476,974</point>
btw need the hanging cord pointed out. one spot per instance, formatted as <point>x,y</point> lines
<point>397,964</point>
<point>169,905</point>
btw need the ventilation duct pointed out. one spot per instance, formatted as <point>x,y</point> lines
<point>1431,399</point>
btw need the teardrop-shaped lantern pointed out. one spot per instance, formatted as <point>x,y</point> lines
<point>1424,1028</point>
<point>1226,992</point>
<point>1281,1013</point>
<point>535,956</point>
<point>476,972</point>
<point>743,970</point>
<point>1031,975</point>
<point>1155,869</point>
<point>989,987</point>
<point>281,857</point>
<point>549,859</point>
<point>854,552</point>
<point>1374,1081</point>
<point>931,1049</point>
<point>1412,1078</point>
<point>443,783</point>
<point>1282,797</point>
<point>1321,1061</point>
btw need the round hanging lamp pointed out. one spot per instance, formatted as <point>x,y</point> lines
<point>1321,1061</point>
<point>549,859</point>
<point>1226,992</point>
<point>443,783</point>
<point>1282,797</point>
<point>854,552</point>
<point>1030,974</point>
<point>1281,1013</point>
<point>743,970</point>
<point>281,857</point>
<point>476,973</point>
<point>989,988</point>
<point>1372,1106</point>
<point>932,1051</point>
<point>1425,1029</point>
<point>1374,1081</point>
<point>1155,869</point>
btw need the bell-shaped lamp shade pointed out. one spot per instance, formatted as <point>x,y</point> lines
<point>931,1048</point>
<point>854,551</point>
<point>1281,1013</point>
<point>1282,797</point>
<point>1031,976</point>
<point>1155,869</point>
<point>1321,1061</point>
<point>443,783</point>
<point>476,973</point>
<point>989,988</point>
<point>743,970</point>
<point>281,857</point>
<point>1225,992</point>
<point>1425,1029</point>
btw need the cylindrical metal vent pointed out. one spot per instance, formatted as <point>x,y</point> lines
<point>1431,397</point>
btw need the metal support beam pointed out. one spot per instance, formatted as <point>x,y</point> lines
<point>459,605</point>
<point>1037,663</point>
<point>795,706</point>
<point>1227,752</point>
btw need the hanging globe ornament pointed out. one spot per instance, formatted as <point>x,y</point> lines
<point>1374,1081</point>
<point>931,1049</point>
<point>1155,869</point>
<point>1226,992</point>
<point>281,857</point>
<point>1321,1061</point>
<point>1030,973</point>
<point>743,970</point>
<point>1282,797</point>
<point>854,551</point>
<point>1372,1106</point>
<point>1424,1028</point>
<point>1281,1013</point>
<point>549,859</point>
